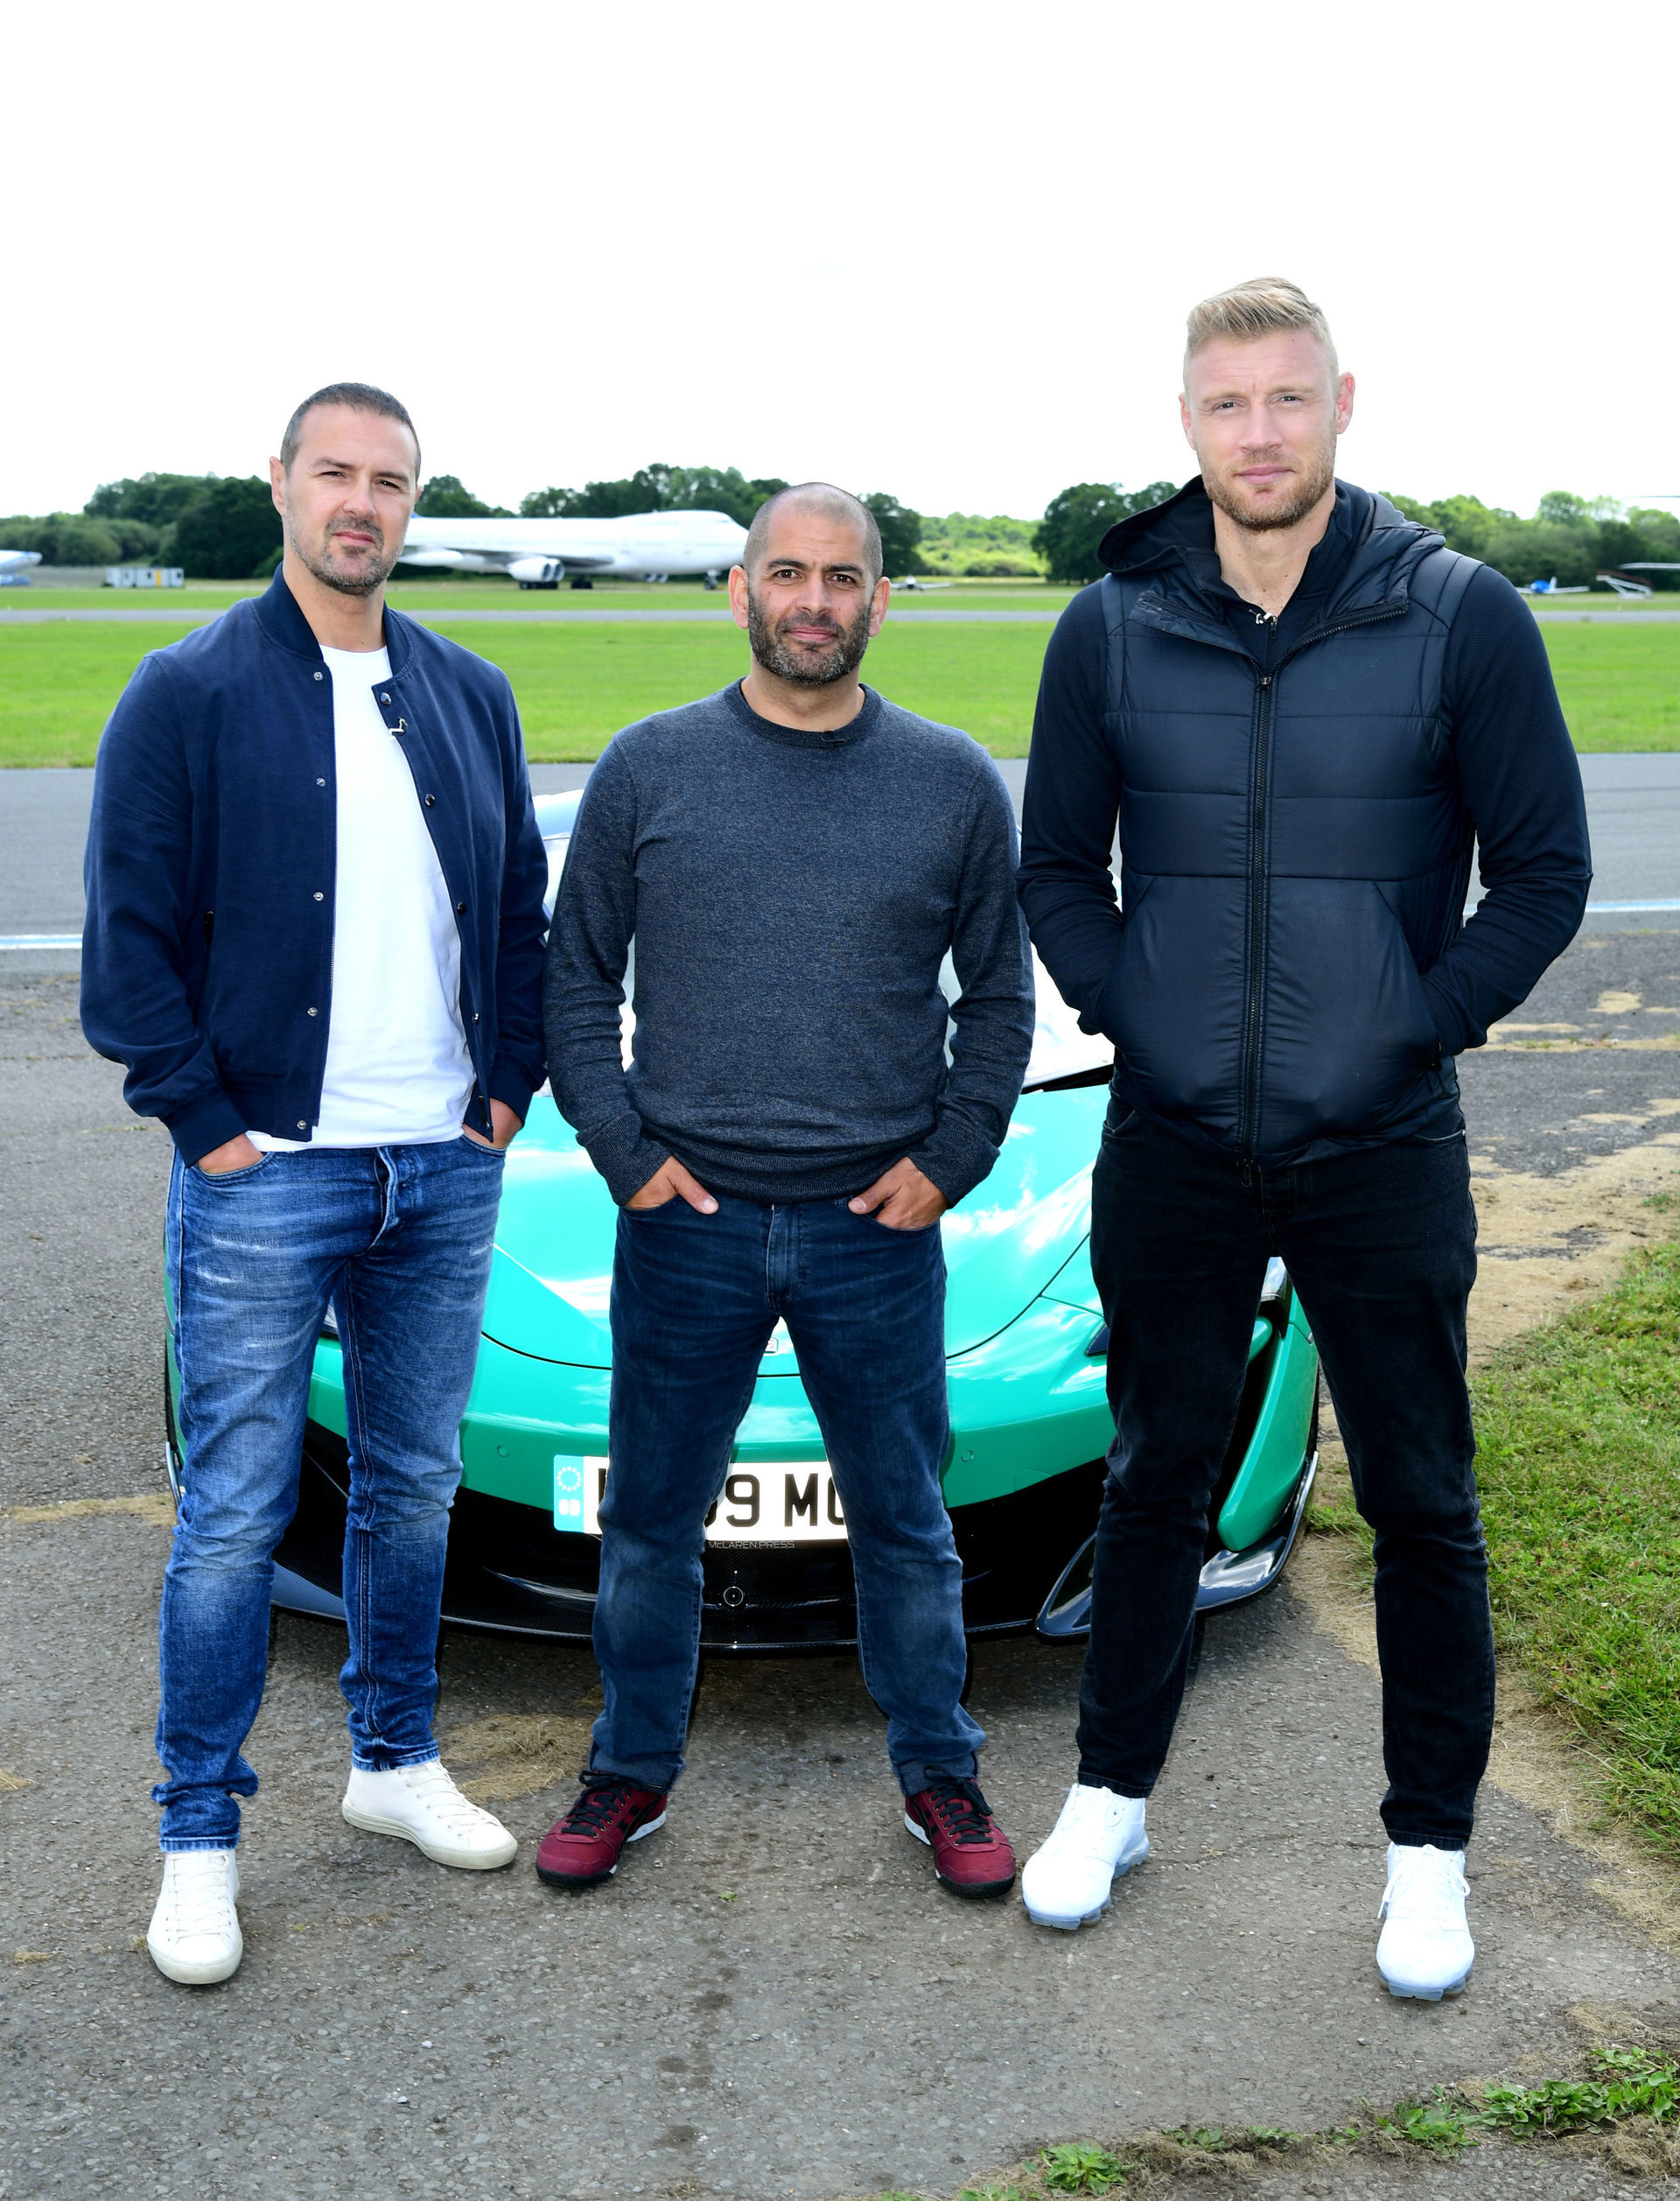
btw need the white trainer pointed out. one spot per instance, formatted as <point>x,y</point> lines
<point>194,1936</point>
<point>420,1803</point>
<point>1425,1950</point>
<point>1067,1881</point>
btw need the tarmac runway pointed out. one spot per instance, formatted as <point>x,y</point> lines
<point>1633,807</point>
<point>773,1998</point>
<point>185,615</point>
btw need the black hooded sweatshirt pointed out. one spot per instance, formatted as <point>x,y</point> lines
<point>1297,802</point>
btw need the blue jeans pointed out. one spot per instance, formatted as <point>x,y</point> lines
<point>695,1299</point>
<point>1381,1246</point>
<point>398,1240</point>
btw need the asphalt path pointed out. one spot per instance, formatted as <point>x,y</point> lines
<point>184,614</point>
<point>773,1999</point>
<point>1633,805</point>
<point>445,616</point>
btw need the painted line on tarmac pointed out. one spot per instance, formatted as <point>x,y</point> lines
<point>186,616</point>
<point>183,616</point>
<point>23,943</point>
<point>914,618</point>
<point>1609,618</point>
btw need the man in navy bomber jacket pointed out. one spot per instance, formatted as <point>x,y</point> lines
<point>314,936</point>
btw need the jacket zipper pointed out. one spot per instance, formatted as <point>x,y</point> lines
<point>1260,788</point>
<point>1259,899</point>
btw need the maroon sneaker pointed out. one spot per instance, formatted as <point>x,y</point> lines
<point>971,1854</point>
<point>584,1847</point>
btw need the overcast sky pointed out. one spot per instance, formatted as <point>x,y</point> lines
<point>943,250</point>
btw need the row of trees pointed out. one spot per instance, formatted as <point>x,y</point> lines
<point>1570,539</point>
<point>226,527</point>
<point>220,527</point>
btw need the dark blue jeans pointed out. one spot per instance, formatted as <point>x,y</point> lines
<point>695,1299</point>
<point>1381,1245</point>
<point>398,1239</point>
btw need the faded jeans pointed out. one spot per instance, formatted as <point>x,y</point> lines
<point>397,1239</point>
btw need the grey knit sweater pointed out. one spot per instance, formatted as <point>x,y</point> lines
<point>791,896</point>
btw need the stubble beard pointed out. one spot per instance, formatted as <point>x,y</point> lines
<point>798,667</point>
<point>361,579</point>
<point>1307,490</point>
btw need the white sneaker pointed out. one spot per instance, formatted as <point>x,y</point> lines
<point>1066,1884</point>
<point>194,1936</point>
<point>420,1803</point>
<point>1425,1950</point>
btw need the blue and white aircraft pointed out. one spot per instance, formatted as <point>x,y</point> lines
<point>14,566</point>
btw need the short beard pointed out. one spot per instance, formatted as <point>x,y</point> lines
<point>795,666</point>
<point>1308,490</point>
<point>363,582</point>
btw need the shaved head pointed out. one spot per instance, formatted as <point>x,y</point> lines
<point>824,502</point>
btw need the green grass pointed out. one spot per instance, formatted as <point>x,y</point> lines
<point>1579,1465</point>
<point>1578,1429</point>
<point>484,592</point>
<point>58,685</point>
<point>1620,687</point>
<point>1624,2097</point>
<point>578,683</point>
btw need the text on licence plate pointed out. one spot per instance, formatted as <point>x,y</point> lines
<point>761,1502</point>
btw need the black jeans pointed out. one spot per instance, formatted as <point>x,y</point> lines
<point>1381,1245</point>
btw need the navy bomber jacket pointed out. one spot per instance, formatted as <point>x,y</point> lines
<point>1289,973</point>
<point>211,862</point>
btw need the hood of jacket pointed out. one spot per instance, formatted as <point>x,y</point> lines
<point>1364,560</point>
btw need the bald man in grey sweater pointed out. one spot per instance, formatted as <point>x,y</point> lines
<point>793,858</point>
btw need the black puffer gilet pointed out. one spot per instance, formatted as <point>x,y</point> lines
<point>1296,850</point>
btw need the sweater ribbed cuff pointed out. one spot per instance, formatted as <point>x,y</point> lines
<point>627,1162</point>
<point>955,1159</point>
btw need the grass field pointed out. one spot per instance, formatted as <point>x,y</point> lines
<point>1579,1466</point>
<point>1620,689</point>
<point>578,683</point>
<point>1579,1469</point>
<point>488,594</point>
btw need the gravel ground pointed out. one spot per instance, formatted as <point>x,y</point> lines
<point>773,1998</point>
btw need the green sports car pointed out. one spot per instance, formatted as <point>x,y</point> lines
<point>1026,1344</point>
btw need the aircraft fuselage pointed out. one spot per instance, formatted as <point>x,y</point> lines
<point>541,552</point>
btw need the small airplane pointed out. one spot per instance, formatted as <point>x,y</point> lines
<point>1622,579</point>
<point>1555,587</point>
<point>645,546</point>
<point>12,567</point>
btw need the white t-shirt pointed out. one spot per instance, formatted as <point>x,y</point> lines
<point>397,1068</point>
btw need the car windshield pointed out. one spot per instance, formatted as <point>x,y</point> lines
<point>1060,1048</point>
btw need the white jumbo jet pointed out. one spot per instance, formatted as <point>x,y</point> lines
<point>647,546</point>
<point>12,565</point>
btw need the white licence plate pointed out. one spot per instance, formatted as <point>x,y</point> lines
<point>762,1501</point>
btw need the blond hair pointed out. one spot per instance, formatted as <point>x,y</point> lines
<point>1259,308</point>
